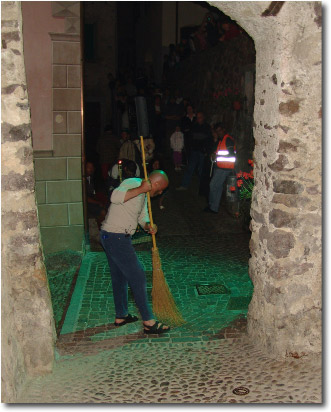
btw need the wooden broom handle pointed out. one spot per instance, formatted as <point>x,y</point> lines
<point>148,194</point>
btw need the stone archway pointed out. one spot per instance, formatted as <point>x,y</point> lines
<point>285,313</point>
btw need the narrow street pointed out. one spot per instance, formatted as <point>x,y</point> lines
<point>209,359</point>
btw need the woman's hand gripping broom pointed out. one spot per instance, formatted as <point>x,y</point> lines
<point>164,305</point>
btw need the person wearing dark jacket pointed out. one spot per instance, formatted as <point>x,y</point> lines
<point>186,123</point>
<point>200,145</point>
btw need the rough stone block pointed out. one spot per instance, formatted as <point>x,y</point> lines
<point>278,272</point>
<point>74,168</point>
<point>15,182</point>
<point>67,145</point>
<point>288,187</point>
<point>289,108</point>
<point>66,52</point>
<point>66,99</point>
<point>50,169</point>
<point>74,122</point>
<point>55,239</point>
<point>41,192</point>
<point>11,133</point>
<point>59,122</point>
<point>280,164</point>
<point>64,192</point>
<point>76,214</point>
<point>59,76</point>
<point>73,76</point>
<point>280,218</point>
<point>53,215</point>
<point>271,293</point>
<point>288,147</point>
<point>279,243</point>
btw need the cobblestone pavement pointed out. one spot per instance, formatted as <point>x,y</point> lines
<point>204,360</point>
<point>223,371</point>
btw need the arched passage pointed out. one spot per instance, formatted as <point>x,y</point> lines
<point>285,313</point>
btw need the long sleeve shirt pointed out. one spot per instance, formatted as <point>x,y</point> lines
<point>201,137</point>
<point>177,141</point>
<point>123,217</point>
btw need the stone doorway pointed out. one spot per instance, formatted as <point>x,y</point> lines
<point>285,313</point>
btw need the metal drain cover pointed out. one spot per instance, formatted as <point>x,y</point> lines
<point>212,289</point>
<point>241,390</point>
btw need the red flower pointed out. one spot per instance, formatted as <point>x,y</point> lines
<point>239,183</point>
<point>232,189</point>
<point>239,174</point>
<point>251,162</point>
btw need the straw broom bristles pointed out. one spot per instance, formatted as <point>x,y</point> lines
<point>164,305</point>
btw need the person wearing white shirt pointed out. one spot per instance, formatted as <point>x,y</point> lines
<point>129,208</point>
<point>177,145</point>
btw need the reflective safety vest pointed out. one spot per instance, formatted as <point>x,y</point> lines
<point>223,158</point>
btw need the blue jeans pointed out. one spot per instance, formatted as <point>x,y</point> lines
<point>216,187</point>
<point>125,269</point>
<point>195,161</point>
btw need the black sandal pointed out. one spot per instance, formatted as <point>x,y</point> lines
<point>127,319</point>
<point>156,329</point>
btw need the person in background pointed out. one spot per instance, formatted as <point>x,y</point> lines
<point>186,126</point>
<point>157,164</point>
<point>128,148</point>
<point>201,143</point>
<point>130,88</point>
<point>172,115</point>
<point>224,154</point>
<point>149,147</point>
<point>177,145</point>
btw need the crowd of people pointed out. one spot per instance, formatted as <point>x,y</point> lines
<point>177,129</point>
<point>179,135</point>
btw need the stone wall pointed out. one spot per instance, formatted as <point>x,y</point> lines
<point>58,172</point>
<point>286,265</point>
<point>27,328</point>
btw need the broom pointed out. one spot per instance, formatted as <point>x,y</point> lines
<point>164,305</point>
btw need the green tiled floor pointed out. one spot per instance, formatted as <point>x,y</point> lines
<point>61,268</point>
<point>195,249</point>
<point>186,262</point>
